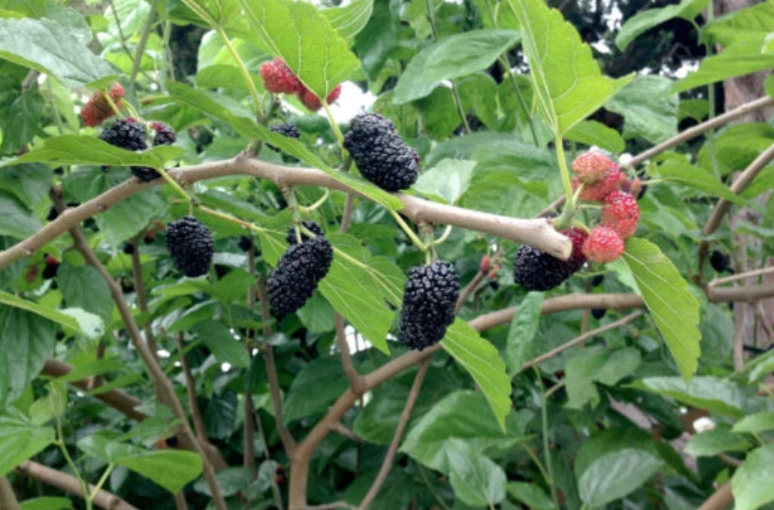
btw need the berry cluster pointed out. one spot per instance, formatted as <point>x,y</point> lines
<point>299,271</point>
<point>602,181</point>
<point>191,246</point>
<point>97,109</point>
<point>429,299</point>
<point>130,134</point>
<point>278,78</point>
<point>380,154</point>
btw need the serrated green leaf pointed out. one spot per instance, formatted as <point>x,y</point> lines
<point>670,302</point>
<point>738,59</point>
<point>349,20</point>
<point>50,48</point>
<point>645,20</point>
<point>304,38</point>
<point>476,480</point>
<point>447,181</point>
<point>710,393</point>
<point>361,292</point>
<point>83,287</point>
<point>720,439</point>
<point>524,326</point>
<point>532,495</point>
<point>20,439</point>
<point>649,109</point>
<point>751,484</point>
<point>452,57</point>
<point>90,150</point>
<point>171,469</point>
<point>222,343</point>
<point>307,396</point>
<point>751,24</point>
<point>15,220</point>
<point>697,178</point>
<point>72,319</point>
<point>483,362</point>
<point>568,83</point>
<point>591,132</point>
<point>51,406</point>
<point>755,423</point>
<point>29,183</point>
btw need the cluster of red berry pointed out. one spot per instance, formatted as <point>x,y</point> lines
<point>97,109</point>
<point>279,79</point>
<point>603,182</point>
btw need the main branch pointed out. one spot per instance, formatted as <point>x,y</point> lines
<point>534,232</point>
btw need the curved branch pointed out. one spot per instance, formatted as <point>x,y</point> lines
<point>8,499</point>
<point>70,484</point>
<point>534,232</point>
<point>722,498</point>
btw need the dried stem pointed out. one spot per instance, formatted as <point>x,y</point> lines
<point>402,423</point>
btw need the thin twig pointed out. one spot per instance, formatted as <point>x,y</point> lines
<point>142,296</point>
<point>344,431</point>
<point>741,276</point>
<point>8,499</point>
<point>355,379</point>
<point>469,288</point>
<point>70,484</point>
<point>143,41</point>
<point>288,443</point>
<point>190,386</point>
<point>722,498</point>
<point>579,340</point>
<point>248,427</point>
<point>393,449</point>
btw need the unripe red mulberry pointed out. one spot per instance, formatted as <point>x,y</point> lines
<point>97,109</point>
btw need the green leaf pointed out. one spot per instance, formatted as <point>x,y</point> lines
<point>15,220</point>
<point>568,83</point>
<point>72,319</point>
<point>754,423</point>
<point>720,439</point>
<point>83,287</point>
<point>751,24</point>
<point>645,20</point>
<point>476,480</point>
<point>47,503</point>
<point>751,484</point>
<point>317,315</point>
<point>304,38</point>
<point>51,406</point>
<point>670,302</point>
<point>597,365</point>
<point>125,219</point>
<point>452,57</point>
<point>20,439</point>
<point>649,110</point>
<point>49,47</point>
<point>222,343</point>
<point>697,178</point>
<point>20,119</point>
<point>248,127</point>
<point>614,463</point>
<point>524,326</point>
<point>349,20</point>
<point>231,481</point>
<point>107,446</point>
<point>29,183</point>
<point>483,362</point>
<point>90,150</point>
<point>593,133</point>
<point>93,368</point>
<point>307,396</point>
<point>462,415</point>
<point>171,469</point>
<point>360,291</point>
<point>447,181</point>
<point>531,495</point>
<point>738,59</point>
<point>26,342</point>
<point>710,393</point>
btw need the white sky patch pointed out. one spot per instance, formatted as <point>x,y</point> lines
<point>163,353</point>
<point>602,47</point>
<point>686,69</point>
<point>225,367</point>
<point>353,101</point>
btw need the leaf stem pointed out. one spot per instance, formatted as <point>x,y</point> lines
<point>179,189</point>
<point>410,233</point>
<point>101,482</point>
<point>228,217</point>
<point>334,125</point>
<point>62,446</point>
<point>143,42</point>
<point>317,204</point>
<point>257,107</point>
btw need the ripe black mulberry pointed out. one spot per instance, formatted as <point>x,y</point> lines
<point>298,273</point>
<point>429,298</point>
<point>380,154</point>
<point>538,271</point>
<point>191,246</point>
